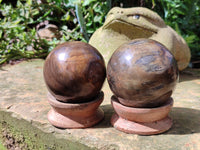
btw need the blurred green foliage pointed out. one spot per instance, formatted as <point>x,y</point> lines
<point>184,17</point>
<point>78,19</point>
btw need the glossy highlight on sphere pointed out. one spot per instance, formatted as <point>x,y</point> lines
<point>74,72</point>
<point>142,73</point>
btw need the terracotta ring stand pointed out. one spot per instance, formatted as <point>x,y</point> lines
<point>142,121</point>
<point>80,115</point>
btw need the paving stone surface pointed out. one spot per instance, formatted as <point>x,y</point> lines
<point>23,93</point>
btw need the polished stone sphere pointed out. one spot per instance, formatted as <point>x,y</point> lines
<point>74,72</point>
<point>142,73</point>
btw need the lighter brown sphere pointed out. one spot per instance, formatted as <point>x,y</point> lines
<point>74,72</point>
<point>142,73</point>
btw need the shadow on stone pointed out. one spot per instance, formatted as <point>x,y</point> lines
<point>105,123</point>
<point>189,75</point>
<point>59,127</point>
<point>186,121</point>
<point>108,111</point>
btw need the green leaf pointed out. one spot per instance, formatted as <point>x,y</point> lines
<point>88,2</point>
<point>98,9</point>
<point>89,24</point>
<point>90,31</point>
<point>153,3</point>
<point>177,29</point>
<point>66,17</point>
<point>19,4</point>
<point>97,19</point>
<point>179,12</point>
<point>190,39</point>
<point>29,2</point>
<point>75,1</point>
<point>1,32</point>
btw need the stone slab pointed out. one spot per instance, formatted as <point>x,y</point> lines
<point>23,96</point>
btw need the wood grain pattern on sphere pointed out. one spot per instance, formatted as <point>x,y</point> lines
<point>142,73</point>
<point>74,72</point>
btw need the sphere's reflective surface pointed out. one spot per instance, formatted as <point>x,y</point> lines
<point>74,72</point>
<point>142,73</point>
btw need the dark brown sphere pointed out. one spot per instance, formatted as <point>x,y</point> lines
<point>142,73</point>
<point>74,72</point>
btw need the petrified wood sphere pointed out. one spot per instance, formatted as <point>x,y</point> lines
<point>142,73</point>
<point>74,72</point>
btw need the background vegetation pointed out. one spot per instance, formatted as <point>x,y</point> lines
<point>77,20</point>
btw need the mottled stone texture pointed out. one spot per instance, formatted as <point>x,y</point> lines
<point>125,24</point>
<point>23,94</point>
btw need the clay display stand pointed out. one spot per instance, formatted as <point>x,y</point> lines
<point>143,121</point>
<point>82,115</point>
